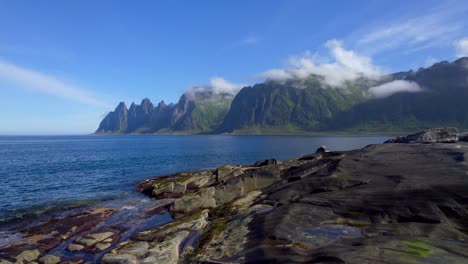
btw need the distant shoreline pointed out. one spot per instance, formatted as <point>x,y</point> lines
<point>313,134</point>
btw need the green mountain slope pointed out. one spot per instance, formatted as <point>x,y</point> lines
<point>441,99</point>
<point>294,105</point>
<point>443,102</point>
<point>204,112</point>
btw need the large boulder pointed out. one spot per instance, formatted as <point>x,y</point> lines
<point>433,135</point>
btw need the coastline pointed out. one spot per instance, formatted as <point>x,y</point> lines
<point>229,213</point>
<point>303,133</point>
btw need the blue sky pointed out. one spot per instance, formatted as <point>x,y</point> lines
<point>65,64</point>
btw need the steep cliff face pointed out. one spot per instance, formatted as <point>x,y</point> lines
<point>181,109</point>
<point>115,122</point>
<point>139,116</point>
<point>143,118</point>
<point>198,112</point>
<point>311,106</point>
<point>161,116</point>
<point>294,104</point>
<point>434,96</point>
<point>201,111</point>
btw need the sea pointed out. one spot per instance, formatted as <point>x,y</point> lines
<point>39,174</point>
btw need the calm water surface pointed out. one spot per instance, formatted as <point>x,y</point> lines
<point>45,172</point>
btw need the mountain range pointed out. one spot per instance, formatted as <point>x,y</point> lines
<point>403,101</point>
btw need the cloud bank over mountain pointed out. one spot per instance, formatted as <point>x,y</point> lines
<point>217,86</point>
<point>397,86</point>
<point>461,47</point>
<point>345,65</point>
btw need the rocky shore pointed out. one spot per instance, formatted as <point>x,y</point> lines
<point>405,201</point>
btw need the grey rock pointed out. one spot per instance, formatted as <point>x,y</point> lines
<point>321,149</point>
<point>75,247</point>
<point>203,199</point>
<point>433,135</point>
<point>226,172</point>
<point>102,246</point>
<point>161,188</point>
<point>28,255</point>
<point>180,187</point>
<point>266,162</point>
<point>119,259</point>
<point>167,251</point>
<point>250,180</point>
<point>137,249</point>
<point>92,239</point>
<point>50,259</point>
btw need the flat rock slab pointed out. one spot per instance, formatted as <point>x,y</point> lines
<point>384,202</point>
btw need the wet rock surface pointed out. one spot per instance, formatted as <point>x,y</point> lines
<point>82,235</point>
<point>387,203</point>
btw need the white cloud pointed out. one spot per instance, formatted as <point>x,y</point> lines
<point>393,87</point>
<point>250,40</point>
<point>461,47</point>
<point>217,86</point>
<point>220,85</point>
<point>435,27</point>
<point>430,61</point>
<point>247,41</point>
<point>40,82</point>
<point>346,65</point>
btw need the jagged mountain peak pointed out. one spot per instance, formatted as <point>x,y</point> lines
<point>121,106</point>
<point>462,61</point>
<point>311,105</point>
<point>146,101</point>
<point>161,104</point>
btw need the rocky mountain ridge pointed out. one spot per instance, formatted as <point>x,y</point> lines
<point>310,105</point>
<point>194,113</point>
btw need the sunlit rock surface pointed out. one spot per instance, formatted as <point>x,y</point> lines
<point>385,203</point>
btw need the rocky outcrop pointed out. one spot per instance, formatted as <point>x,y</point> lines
<point>434,135</point>
<point>388,203</point>
<point>94,242</point>
<point>41,239</point>
<point>385,203</point>
<point>209,189</point>
<point>167,244</point>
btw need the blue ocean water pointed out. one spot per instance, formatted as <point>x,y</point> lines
<point>46,172</point>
